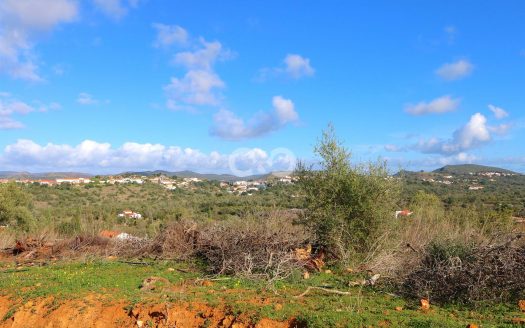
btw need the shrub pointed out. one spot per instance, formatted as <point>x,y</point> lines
<point>346,206</point>
<point>69,228</point>
<point>14,206</point>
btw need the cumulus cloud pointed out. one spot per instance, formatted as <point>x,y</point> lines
<point>455,70</point>
<point>498,112</point>
<point>12,108</point>
<point>168,35</point>
<point>103,157</point>
<point>473,134</point>
<point>86,99</point>
<point>298,66</point>
<point>21,23</point>
<point>294,66</point>
<point>204,57</point>
<point>439,105</point>
<point>197,87</point>
<point>229,126</point>
<point>284,109</point>
<point>115,9</point>
<point>200,85</point>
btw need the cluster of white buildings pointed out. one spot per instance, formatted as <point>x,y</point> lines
<point>165,181</point>
<point>242,186</point>
<point>51,182</point>
<point>123,180</point>
<point>493,174</point>
<point>128,214</point>
<point>475,187</point>
<point>446,182</point>
<point>170,183</point>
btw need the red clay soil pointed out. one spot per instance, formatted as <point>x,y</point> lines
<point>95,312</point>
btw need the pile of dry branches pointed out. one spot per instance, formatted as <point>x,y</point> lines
<point>252,248</point>
<point>258,247</point>
<point>492,272</point>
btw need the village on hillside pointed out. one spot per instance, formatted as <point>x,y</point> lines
<point>472,181</point>
<point>238,187</point>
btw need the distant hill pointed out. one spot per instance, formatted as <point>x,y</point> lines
<point>42,175</point>
<point>180,174</point>
<point>468,168</point>
<point>191,174</point>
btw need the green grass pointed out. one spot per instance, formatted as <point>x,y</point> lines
<point>121,281</point>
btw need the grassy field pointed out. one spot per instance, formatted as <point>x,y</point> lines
<point>181,283</point>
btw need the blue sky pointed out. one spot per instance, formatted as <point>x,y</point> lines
<point>245,87</point>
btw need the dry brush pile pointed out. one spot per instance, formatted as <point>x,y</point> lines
<point>252,248</point>
<point>468,274</point>
<point>451,261</point>
<point>256,248</point>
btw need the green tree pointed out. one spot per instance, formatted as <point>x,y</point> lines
<point>346,205</point>
<point>15,205</point>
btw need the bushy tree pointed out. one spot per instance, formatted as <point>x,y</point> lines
<point>14,206</point>
<point>346,205</point>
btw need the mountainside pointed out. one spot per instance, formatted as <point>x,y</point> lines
<point>471,168</point>
<point>205,176</point>
<point>43,175</point>
<point>180,174</point>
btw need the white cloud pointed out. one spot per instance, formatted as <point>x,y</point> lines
<point>21,23</point>
<point>197,87</point>
<point>103,157</point>
<point>201,85</point>
<point>116,9</point>
<point>294,66</point>
<point>439,105</point>
<point>456,70</point>
<point>204,57</point>
<point>86,99</point>
<point>473,134</point>
<point>285,110</point>
<point>15,107</point>
<point>7,123</point>
<point>298,66</point>
<point>37,15</point>
<point>229,126</point>
<point>498,112</point>
<point>11,108</point>
<point>500,129</point>
<point>460,158</point>
<point>433,161</point>
<point>168,35</point>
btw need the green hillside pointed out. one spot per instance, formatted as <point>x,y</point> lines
<point>471,168</point>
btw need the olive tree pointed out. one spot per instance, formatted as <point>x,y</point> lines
<point>15,206</point>
<point>346,205</point>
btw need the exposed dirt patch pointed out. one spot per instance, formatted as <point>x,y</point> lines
<point>96,311</point>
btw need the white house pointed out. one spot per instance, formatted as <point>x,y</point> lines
<point>130,214</point>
